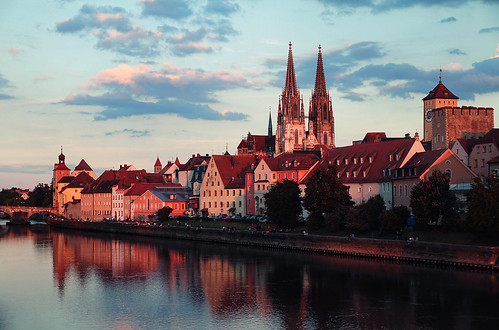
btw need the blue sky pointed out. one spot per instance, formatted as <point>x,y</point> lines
<point>119,82</point>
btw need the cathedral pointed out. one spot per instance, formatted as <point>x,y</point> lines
<point>291,134</point>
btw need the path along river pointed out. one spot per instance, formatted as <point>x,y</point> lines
<point>56,279</point>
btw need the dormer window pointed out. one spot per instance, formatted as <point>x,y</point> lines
<point>346,161</point>
<point>370,159</point>
<point>355,160</point>
<point>347,174</point>
<point>397,156</point>
<point>354,173</point>
<point>362,160</point>
<point>391,157</point>
<point>364,173</point>
<point>338,162</point>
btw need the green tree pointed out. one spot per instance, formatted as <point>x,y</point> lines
<point>41,196</point>
<point>164,213</point>
<point>327,199</point>
<point>283,204</point>
<point>395,219</point>
<point>366,216</point>
<point>432,202</point>
<point>483,208</point>
<point>9,197</point>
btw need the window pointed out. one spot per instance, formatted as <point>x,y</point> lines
<point>227,204</point>
<point>478,149</point>
<point>258,187</point>
<point>362,160</point>
<point>355,160</point>
<point>215,193</point>
<point>348,174</point>
<point>370,189</point>
<point>273,176</point>
<point>364,173</point>
<point>215,204</point>
<point>406,190</point>
<point>239,203</point>
<point>394,190</point>
<point>484,149</point>
<point>359,189</point>
<point>239,192</point>
<point>483,162</point>
<point>354,173</point>
<point>490,147</point>
<point>346,161</point>
<point>338,162</point>
<point>370,159</point>
<point>448,173</point>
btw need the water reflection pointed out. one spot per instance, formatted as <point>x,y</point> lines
<point>146,283</point>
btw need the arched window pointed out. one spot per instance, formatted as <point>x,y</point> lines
<point>296,136</point>
<point>448,173</point>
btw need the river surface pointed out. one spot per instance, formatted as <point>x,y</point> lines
<point>53,279</point>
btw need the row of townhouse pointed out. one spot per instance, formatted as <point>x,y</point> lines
<point>389,167</point>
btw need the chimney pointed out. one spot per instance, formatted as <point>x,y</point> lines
<point>407,135</point>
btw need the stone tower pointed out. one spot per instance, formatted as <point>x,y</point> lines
<point>157,166</point>
<point>290,133</point>
<point>60,170</point>
<point>320,117</point>
<point>444,121</point>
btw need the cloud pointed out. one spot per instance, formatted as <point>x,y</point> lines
<point>381,6</point>
<point>404,80</point>
<point>174,9</point>
<point>221,7</point>
<point>114,31</point>
<point>90,17</point>
<point>448,20</point>
<point>134,42</point>
<point>488,30</point>
<point>41,78</point>
<point>126,91</point>
<point>456,51</point>
<point>4,83</point>
<point>14,51</point>
<point>132,132</point>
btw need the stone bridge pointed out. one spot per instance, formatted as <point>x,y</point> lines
<point>25,211</point>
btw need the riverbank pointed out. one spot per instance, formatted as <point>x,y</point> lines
<point>459,256</point>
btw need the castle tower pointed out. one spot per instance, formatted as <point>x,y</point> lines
<point>157,166</point>
<point>439,97</point>
<point>444,122</point>
<point>290,134</point>
<point>60,170</point>
<point>320,115</point>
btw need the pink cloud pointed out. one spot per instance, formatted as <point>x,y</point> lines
<point>14,51</point>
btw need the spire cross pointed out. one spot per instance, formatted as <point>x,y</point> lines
<point>440,75</point>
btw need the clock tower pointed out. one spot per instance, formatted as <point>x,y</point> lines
<point>439,97</point>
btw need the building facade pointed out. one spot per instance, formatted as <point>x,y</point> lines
<point>444,122</point>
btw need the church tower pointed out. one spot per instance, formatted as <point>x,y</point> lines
<point>60,170</point>
<point>157,166</point>
<point>290,134</point>
<point>320,115</point>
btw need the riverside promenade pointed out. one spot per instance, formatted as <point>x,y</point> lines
<point>417,252</point>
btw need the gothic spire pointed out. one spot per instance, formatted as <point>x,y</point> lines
<point>290,88</point>
<point>270,123</point>
<point>320,80</point>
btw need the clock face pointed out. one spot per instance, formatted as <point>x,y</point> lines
<point>427,115</point>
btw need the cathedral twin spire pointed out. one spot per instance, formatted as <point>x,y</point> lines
<point>291,134</point>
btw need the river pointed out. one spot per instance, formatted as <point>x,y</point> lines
<point>54,279</point>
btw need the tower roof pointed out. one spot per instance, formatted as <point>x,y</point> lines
<point>440,92</point>
<point>158,162</point>
<point>290,87</point>
<point>83,166</point>
<point>320,80</point>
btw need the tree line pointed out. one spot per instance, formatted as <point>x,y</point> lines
<point>433,204</point>
<point>40,196</point>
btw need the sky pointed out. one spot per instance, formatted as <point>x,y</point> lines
<point>124,82</point>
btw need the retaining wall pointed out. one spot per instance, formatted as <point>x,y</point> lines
<point>461,256</point>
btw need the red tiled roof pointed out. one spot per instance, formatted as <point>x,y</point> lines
<point>122,178</point>
<point>467,144</point>
<point>83,166</point>
<point>194,161</point>
<point>60,167</point>
<point>66,179</point>
<point>358,155</point>
<point>231,168</point>
<point>374,137</point>
<point>492,136</point>
<point>440,92</point>
<point>139,188</point>
<point>80,181</point>
<point>291,161</point>
<point>158,162</point>
<point>494,160</point>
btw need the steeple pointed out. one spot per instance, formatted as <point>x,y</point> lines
<point>320,80</point>
<point>290,87</point>
<point>270,124</point>
<point>62,158</point>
